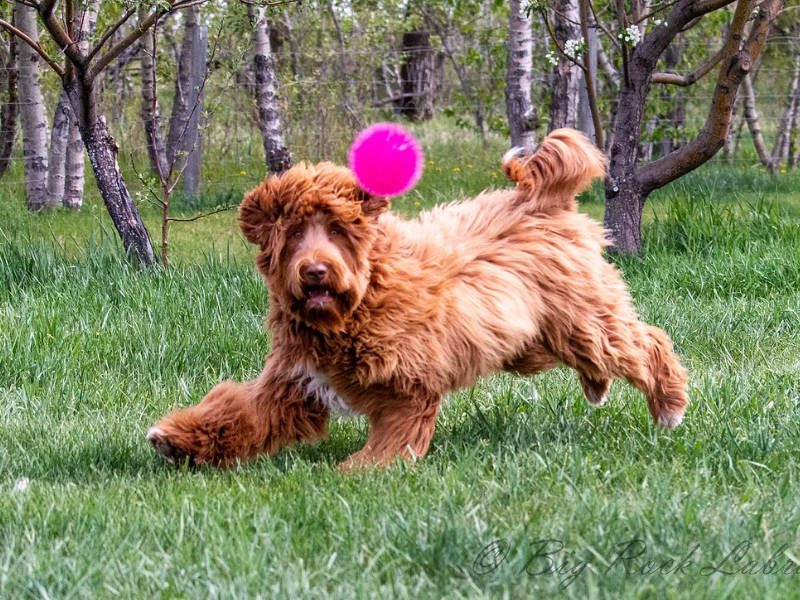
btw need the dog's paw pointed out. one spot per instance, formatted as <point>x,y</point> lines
<point>669,420</point>
<point>168,448</point>
<point>596,401</point>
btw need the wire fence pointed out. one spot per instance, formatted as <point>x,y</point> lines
<point>332,94</point>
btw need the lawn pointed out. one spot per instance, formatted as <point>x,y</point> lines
<point>526,490</point>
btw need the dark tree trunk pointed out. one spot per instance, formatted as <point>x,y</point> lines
<point>624,195</point>
<point>566,74</point>
<point>8,108</point>
<point>418,77</point>
<point>627,186</point>
<point>102,151</point>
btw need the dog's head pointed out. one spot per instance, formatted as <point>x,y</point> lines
<point>315,227</point>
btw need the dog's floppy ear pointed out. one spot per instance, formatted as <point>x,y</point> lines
<point>372,206</point>
<point>258,212</point>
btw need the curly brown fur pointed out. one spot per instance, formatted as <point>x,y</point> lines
<point>383,316</point>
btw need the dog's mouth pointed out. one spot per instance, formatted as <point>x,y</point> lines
<point>318,296</point>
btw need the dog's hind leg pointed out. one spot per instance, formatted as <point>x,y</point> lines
<point>537,358</point>
<point>663,378</point>
<point>236,421</point>
<point>403,431</point>
<point>632,350</point>
<point>594,388</point>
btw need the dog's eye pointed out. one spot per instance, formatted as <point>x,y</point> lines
<point>334,231</point>
<point>297,234</point>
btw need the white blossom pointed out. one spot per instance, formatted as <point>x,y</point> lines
<point>551,58</point>
<point>574,48</point>
<point>630,36</point>
<point>21,484</point>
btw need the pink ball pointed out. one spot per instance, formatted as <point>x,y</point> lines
<point>386,160</point>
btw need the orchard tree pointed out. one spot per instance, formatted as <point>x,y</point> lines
<point>640,36</point>
<point>79,71</point>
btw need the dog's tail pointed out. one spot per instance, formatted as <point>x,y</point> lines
<point>564,164</point>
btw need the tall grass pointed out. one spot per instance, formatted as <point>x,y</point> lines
<point>92,351</point>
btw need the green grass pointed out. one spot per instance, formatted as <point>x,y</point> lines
<point>93,351</point>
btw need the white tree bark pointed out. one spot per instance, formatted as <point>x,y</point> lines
<point>521,115</point>
<point>58,151</point>
<point>34,121</point>
<point>269,121</point>
<point>788,124</point>
<point>85,21</point>
<point>754,124</point>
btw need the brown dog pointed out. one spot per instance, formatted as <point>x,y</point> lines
<point>383,316</point>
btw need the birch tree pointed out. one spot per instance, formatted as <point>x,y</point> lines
<point>32,115</point>
<point>522,117</point>
<point>8,102</point>
<point>79,71</point>
<point>277,155</point>
<point>754,124</point>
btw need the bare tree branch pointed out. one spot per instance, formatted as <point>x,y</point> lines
<point>133,36</point>
<point>694,76</point>
<point>109,32</point>
<point>35,45</point>
<point>737,64</point>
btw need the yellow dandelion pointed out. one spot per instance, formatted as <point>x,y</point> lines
<point>242,172</point>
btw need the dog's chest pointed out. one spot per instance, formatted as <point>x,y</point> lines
<point>317,386</point>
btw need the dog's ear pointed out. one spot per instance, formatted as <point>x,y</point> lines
<point>373,206</point>
<point>258,212</point>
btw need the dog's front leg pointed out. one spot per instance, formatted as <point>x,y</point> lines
<point>237,421</point>
<point>402,429</point>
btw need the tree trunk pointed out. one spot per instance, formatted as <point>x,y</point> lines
<point>277,155</point>
<point>192,142</point>
<point>788,124</point>
<point>566,74</point>
<point>754,124</point>
<point>9,105</point>
<point>181,108</point>
<point>522,117</point>
<point>58,151</point>
<point>74,181</point>
<point>34,122</point>
<point>624,196</point>
<point>345,73</point>
<point>627,186</point>
<point>418,76</point>
<point>84,23</point>
<point>149,110</point>
<point>102,151</point>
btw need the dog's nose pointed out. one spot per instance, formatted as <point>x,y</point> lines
<point>315,272</point>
